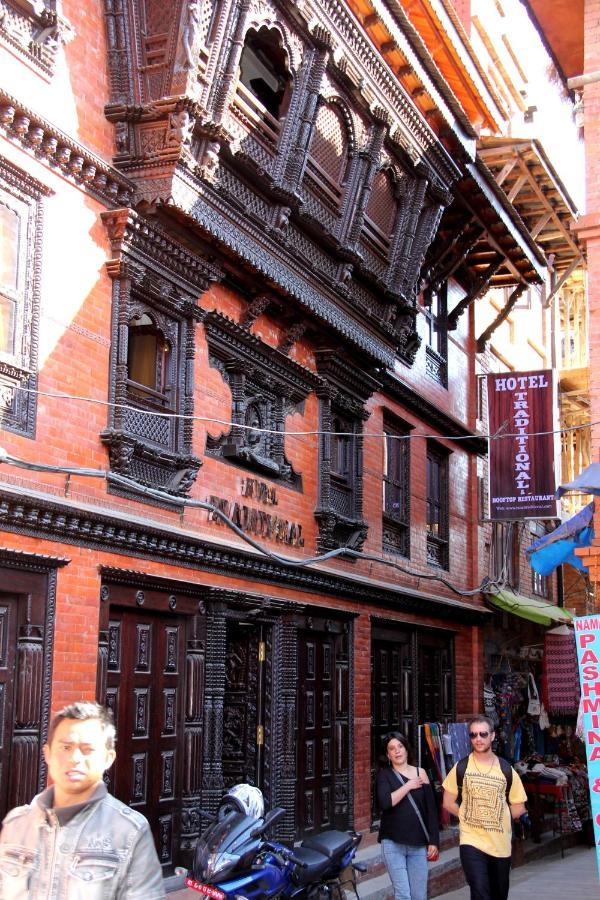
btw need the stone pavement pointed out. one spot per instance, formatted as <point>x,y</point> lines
<point>551,878</point>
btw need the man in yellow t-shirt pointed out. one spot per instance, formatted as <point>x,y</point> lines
<point>484,816</point>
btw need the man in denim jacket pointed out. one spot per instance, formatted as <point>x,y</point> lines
<point>75,841</point>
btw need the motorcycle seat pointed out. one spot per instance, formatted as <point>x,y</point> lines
<point>313,865</point>
<point>329,843</point>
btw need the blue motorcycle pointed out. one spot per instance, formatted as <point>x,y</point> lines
<point>234,861</point>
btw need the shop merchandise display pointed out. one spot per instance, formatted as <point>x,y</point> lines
<point>561,674</point>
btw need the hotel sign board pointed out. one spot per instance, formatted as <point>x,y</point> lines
<point>521,415</point>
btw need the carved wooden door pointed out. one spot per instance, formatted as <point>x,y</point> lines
<point>8,656</point>
<point>323,732</point>
<point>435,682</point>
<point>145,687</point>
<point>392,689</point>
<point>243,706</point>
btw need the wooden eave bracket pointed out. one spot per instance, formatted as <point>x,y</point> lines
<point>502,315</point>
<point>478,288</point>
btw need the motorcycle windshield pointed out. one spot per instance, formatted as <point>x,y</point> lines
<point>225,845</point>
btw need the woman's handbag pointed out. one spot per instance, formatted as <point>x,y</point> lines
<point>534,706</point>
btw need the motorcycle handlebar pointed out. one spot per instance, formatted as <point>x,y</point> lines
<point>288,855</point>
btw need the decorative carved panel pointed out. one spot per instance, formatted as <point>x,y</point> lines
<point>266,386</point>
<point>36,30</point>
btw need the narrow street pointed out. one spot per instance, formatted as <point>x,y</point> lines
<point>552,878</point>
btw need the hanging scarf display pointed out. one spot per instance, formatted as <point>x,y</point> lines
<point>561,676</point>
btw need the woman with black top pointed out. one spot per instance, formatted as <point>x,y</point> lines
<point>408,831</point>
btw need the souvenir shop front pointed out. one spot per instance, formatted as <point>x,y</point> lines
<point>531,693</point>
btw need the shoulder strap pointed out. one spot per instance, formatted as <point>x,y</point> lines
<point>412,802</point>
<point>507,771</point>
<point>461,768</point>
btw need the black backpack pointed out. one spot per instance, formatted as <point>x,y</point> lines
<point>461,768</point>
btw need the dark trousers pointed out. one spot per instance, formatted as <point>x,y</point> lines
<point>486,875</point>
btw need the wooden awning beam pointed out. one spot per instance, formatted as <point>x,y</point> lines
<point>478,288</point>
<point>564,277</point>
<point>502,315</point>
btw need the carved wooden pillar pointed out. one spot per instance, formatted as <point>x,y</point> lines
<point>224,14</point>
<point>325,416</point>
<point>288,692</point>
<point>237,385</point>
<point>343,745</point>
<point>118,271</point>
<point>118,59</point>
<point>225,85</point>
<point>426,228</point>
<point>400,282</point>
<point>189,350</point>
<point>102,667</point>
<point>312,77</point>
<point>370,163</point>
<point>28,704</point>
<point>278,447</point>
<point>354,179</point>
<point>359,478</point>
<point>193,733</point>
<point>404,192</point>
<point>216,645</point>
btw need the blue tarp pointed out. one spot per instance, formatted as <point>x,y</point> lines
<point>547,558</point>
<point>587,482</point>
<point>566,530</point>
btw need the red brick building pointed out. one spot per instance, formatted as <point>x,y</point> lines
<point>241,243</point>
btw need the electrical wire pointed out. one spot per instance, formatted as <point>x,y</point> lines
<point>487,585</point>
<point>125,407</point>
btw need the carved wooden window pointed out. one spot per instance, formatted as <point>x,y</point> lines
<point>435,310</point>
<point>147,447</point>
<point>343,464</point>
<point>148,362</point>
<point>396,490</point>
<point>20,262</point>
<point>328,160</point>
<point>380,214</point>
<point>437,506</point>
<point>264,85</point>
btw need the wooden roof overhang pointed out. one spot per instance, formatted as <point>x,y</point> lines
<point>430,55</point>
<point>482,243</point>
<point>560,24</point>
<point>527,177</point>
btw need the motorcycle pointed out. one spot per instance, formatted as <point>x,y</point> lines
<point>234,861</point>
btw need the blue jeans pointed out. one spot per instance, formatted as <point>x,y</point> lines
<point>407,868</point>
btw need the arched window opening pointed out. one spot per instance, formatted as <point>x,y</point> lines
<point>380,215</point>
<point>328,160</point>
<point>148,356</point>
<point>264,70</point>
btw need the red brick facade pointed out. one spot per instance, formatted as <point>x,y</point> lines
<point>83,528</point>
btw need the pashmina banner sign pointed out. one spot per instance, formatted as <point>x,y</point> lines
<point>587,638</point>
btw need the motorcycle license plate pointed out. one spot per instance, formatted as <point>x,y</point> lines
<point>207,889</point>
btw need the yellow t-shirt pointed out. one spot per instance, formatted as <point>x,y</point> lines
<point>484,815</point>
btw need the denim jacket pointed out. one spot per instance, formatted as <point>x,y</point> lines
<point>102,850</point>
